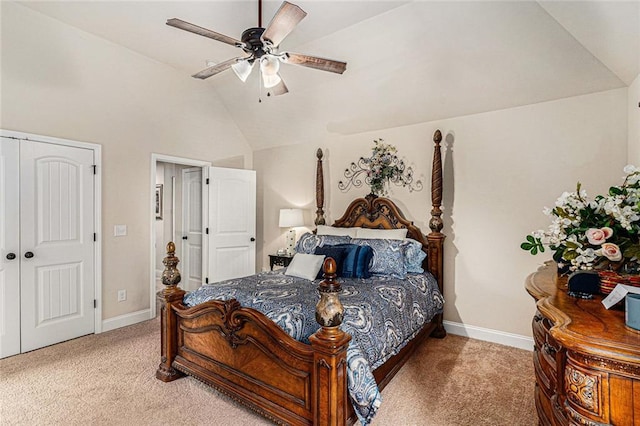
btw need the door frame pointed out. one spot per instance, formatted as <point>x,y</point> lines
<point>155,158</point>
<point>97,206</point>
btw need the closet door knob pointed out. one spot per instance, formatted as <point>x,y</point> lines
<point>11,256</point>
<point>253,239</point>
<point>28,255</point>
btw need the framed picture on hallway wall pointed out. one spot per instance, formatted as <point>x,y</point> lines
<point>159,202</point>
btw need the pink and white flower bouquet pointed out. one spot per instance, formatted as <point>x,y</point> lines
<point>603,233</point>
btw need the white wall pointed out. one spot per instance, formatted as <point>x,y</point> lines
<point>500,169</point>
<point>634,122</point>
<point>59,81</point>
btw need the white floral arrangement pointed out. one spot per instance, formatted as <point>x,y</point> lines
<point>383,167</point>
<point>603,233</point>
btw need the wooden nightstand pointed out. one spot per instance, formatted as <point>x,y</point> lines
<point>279,259</point>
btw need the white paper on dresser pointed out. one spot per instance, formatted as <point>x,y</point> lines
<point>619,292</point>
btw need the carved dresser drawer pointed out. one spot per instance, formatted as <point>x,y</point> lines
<point>544,356</point>
<point>586,362</point>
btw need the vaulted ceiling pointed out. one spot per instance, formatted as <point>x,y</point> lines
<point>408,61</point>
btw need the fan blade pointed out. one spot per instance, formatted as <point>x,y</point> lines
<point>278,89</point>
<point>217,68</point>
<point>315,62</point>
<point>179,23</point>
<point>283,22</point>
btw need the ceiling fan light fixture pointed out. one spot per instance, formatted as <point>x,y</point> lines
<point>270,80</point>
<point>242,69</point>
<point>269,65</point>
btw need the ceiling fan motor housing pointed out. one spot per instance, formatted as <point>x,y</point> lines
<point>253,42</point>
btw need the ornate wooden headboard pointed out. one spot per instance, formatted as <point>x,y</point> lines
<point>378,212</point>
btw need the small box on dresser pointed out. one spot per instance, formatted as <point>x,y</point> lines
<point>586,361</point>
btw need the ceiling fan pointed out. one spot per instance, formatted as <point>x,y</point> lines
<point>261,46</point>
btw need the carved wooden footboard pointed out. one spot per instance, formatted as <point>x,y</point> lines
<point>245,355</point>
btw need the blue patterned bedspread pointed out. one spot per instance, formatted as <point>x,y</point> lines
<point>382,314</point>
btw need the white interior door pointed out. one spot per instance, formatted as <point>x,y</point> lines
<point>191,228</point>
<point>57,243</point>
<point>9,247</point>
<point>231,223</point>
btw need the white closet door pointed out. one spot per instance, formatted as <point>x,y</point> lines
<point>57,256</point>
<point>232,223</point>
<point>191,228</point>
<point>9,247</point>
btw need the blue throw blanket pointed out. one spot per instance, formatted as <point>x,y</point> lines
<point>382,314</point>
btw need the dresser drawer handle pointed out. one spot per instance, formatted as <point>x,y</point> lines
<point>549,349</point>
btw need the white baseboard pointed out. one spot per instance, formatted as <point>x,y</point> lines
<point>489,335</point>
<point>126,319</point>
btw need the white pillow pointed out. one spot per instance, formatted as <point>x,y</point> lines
<point>382,234</point>
<point>305,266</point>
<point>332,230</point>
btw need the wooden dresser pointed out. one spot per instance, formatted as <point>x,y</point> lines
<point>587,362</point>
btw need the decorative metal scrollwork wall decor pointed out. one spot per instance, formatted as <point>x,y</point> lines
<point>379,171</point>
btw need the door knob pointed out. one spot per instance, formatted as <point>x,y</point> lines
<point>28,255</point>
<point>253,239</point>
<point>11,256</point>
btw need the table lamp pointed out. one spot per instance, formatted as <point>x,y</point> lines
<point>290,218</point>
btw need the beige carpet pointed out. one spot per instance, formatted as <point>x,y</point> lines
<point>108,379</point>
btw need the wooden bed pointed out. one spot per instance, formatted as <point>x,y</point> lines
<point>242,353</point>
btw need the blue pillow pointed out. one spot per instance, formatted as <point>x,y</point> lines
<point>337,253</point>
<point>308,242</point>
<point>413,256</point>
<point>356,261</point>
<point>388,256</point>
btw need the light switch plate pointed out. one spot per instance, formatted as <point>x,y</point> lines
<point>119,230</point>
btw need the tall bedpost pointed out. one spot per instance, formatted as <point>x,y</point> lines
<point>319,190</point>
<point>435,224</point>
<point>329,378</point>
<point>435,237</point>
<point>168,327</point>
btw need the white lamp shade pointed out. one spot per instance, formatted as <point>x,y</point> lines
<point>290,218</point>
<point>269,67</point>
<point>270,81</point>
<point>242,69</point>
